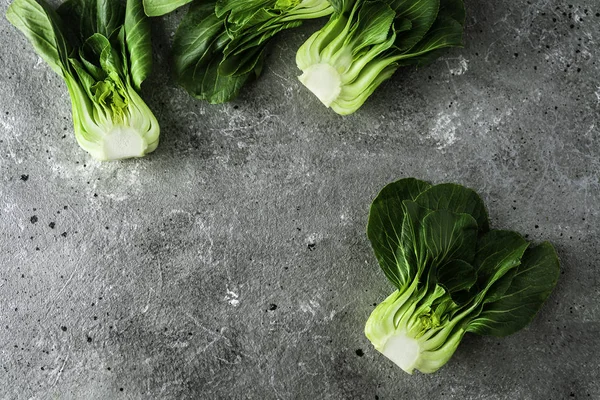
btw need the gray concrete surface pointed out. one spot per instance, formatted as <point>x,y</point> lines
<point>232,263</point>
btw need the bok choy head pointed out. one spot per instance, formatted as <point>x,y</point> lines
<point>452,274</point>
<point>362,46</point>
<point>103,52</point>
<point>220,44</point>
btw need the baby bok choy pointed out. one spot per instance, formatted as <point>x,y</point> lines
<point>103,52</point>
<point>453,274</point>
<point>220,44</point>
<point>364,45</point>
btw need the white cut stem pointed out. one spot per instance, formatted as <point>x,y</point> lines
<point>324,81</point>
<point>403,350</point>
<point>123,142</point>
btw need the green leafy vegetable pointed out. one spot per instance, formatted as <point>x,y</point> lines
<point>155,8</point>
<point>220,44</point>
<point>103,52</point>
<point>452,273</point>
<point>362,46</point>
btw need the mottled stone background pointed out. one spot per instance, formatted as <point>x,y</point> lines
<point>232,263</point>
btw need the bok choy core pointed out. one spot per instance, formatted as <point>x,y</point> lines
<point>453,274</point>
<point>362,46</point>
<point>220,44</point>
<point>103,52</point>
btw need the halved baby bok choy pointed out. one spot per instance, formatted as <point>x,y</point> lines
<point>452,274</point>
<point>103,52</point>
<point>362,46</point>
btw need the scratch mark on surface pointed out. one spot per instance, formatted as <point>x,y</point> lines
<point>60,371</point>
<point>145,310</point>
<point>199,325</point>
<point>66,284</point>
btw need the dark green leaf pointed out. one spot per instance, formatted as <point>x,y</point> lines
<point>497,252</point>
<point>198,51</point>
<point>531,285</point>
<point>412,255</point>
<point>448,235</point>
<point>456,275</point>
<point>454,9</point>
<point>87,17</point>
<point>384,229</point>
<point>455,198</point>
<point>421,13</point>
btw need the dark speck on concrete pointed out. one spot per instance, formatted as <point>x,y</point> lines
<point>311,246</point>
<point>52,225</point>
<point>360,353</point>
<point>272,307</point>
<point>64,234</point>
<point>63,328</point>
<point>34,219</point>
<point>24,178</point>
<point>89,339</point>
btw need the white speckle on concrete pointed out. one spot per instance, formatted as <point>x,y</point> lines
<point>232,298</point>
<point>461,68</point>
<point>40,63</point>
<point>6,126</point>
<point>444,130</point>
<point>597,93</point>
<point>309,306</point>
<point>313,238</point>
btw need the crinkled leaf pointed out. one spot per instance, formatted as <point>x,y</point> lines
<point>421,13</point>
<point>197,51</point>
<point>87,17</point>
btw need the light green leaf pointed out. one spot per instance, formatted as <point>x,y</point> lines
<point>156,8</point>
<point>137,42</point>
<point>40,24</point>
